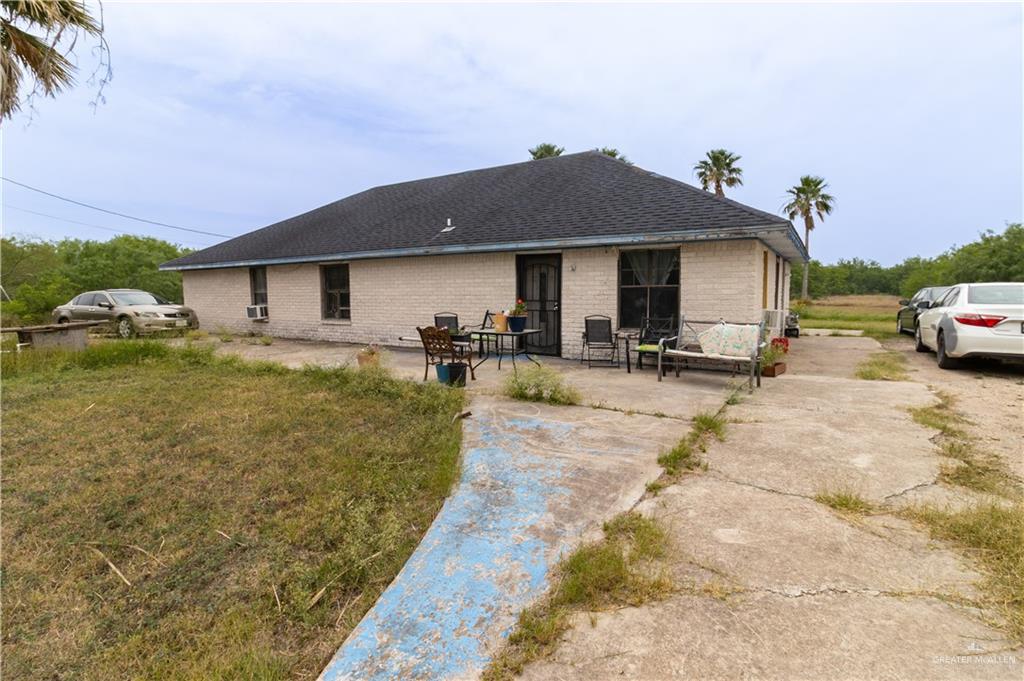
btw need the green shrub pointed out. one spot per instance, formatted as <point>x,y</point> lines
<point>540,384</point>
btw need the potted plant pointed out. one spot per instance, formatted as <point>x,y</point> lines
<point>771,365</point>
<point>517,316</point>
<point>368,356</point>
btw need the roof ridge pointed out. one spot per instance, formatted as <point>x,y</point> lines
<point>475,170</point>
<point>757,212</point>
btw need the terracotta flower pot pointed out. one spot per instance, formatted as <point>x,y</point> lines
<point>368,359</point>
<point>500,322</point>
<point>774,370</point>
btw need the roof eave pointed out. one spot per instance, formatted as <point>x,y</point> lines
<point>782,237</point>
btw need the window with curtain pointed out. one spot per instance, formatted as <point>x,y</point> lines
<point>648,286</point>
<point>258,285</point>
<point>335,296</point>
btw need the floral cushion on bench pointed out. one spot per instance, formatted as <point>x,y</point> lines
<point>729,340</point>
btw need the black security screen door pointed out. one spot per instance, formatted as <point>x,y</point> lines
<point>539,284</point>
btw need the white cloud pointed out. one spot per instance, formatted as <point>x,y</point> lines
<point>234,115</point>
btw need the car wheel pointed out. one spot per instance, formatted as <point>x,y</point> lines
<point>945,361</point>
<point>899,325</point>
<point>125,328</point>
<point>918,343</point>
<point>63,320</point>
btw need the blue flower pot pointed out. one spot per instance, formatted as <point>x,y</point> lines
<point>516,324</point>
<point>443,373</point>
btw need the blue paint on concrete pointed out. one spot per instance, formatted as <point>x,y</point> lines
<point>484,555</point>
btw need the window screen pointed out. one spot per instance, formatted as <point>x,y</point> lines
<point>335,296</point>
<point>648,286</point>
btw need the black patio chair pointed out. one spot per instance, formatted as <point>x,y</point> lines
<point>447,320</point>
<point>652,330</point>
<point>597,335</point>
<point>485,340</point>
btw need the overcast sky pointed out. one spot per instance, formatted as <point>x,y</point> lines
<point>229,117</point>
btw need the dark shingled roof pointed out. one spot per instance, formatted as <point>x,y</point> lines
<point>577,199</point>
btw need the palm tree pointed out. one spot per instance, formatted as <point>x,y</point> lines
<point>57,22</point>
<point>545,150</point>
<point>719,169</point>
<point>807,200</point>
<point>614,153</point>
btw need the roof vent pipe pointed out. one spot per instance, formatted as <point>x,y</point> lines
<point>449,227</point>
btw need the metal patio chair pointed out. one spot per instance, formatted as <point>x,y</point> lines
<point>652,330</point>
<point>438,346</point>
<point>447,320</point>
<point>484,340</point>
<point>598,335</point>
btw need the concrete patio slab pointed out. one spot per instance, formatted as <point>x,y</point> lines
<point>774,585</point>
<point>536,481</point>
<point>612,388</point>
<point>791,546</point>
<point>757,635</point>
<point>808,434</point>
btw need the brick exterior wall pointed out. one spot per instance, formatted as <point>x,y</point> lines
<point>590,279</point>
<point>390,297</point>
<point>721,279</point>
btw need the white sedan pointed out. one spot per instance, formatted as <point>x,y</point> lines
<point>974,320</point>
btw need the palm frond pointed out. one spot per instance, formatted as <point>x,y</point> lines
<point>809,198</point>
<point>50,68</point>
<point>56,26</point>
<point>52,15</point>
<point>11,74</point>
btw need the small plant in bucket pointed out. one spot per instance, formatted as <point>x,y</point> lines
<point>771,364</point>
<point>517,316</point>
<point>369,356</point>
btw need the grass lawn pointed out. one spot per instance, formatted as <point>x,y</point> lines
<point>873,314</point>
<point>172,515</point>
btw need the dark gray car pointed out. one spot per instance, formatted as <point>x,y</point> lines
<point>129,311</point>
<point>910,310</point>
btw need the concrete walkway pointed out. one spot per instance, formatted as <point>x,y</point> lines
<point>778,586</point>
<point>536,480</point>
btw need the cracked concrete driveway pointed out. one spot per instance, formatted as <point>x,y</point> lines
<point>775,585</point>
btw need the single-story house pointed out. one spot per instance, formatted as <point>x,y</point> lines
<point>574,235</point>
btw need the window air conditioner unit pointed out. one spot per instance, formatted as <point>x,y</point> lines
<point>256,311</point>
<point>775,321</point>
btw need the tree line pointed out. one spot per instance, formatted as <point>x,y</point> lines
<point>993,257</point>
<point>37,276</point>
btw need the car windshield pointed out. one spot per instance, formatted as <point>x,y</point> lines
<point>935,292</point>
<point>1003,294</point>
<point>134,298</point>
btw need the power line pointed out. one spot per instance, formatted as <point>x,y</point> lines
<point>76,222</point>
<point>112,212</point>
